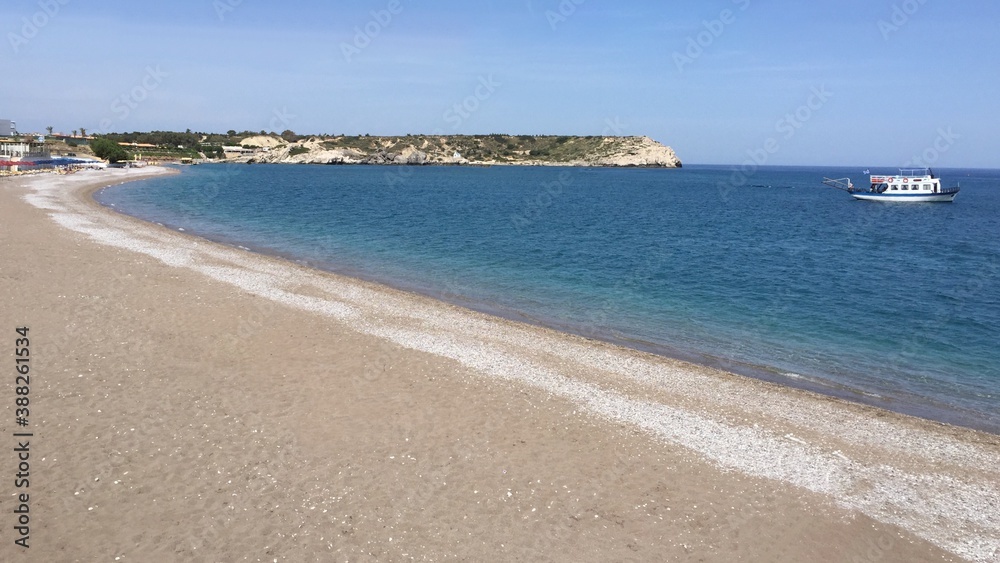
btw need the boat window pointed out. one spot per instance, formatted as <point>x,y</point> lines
<point>894,188</point>
<point>905,187</point>
<point>927,186</point>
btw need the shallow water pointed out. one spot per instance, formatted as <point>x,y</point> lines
<point>767,272</point>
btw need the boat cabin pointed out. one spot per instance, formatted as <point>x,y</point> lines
<point>920,180</point>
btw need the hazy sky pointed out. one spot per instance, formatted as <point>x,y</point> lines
<point>867,83</point>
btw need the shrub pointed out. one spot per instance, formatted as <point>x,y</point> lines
<point>108,150</point>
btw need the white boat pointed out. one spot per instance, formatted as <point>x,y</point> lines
<point>911,184</point>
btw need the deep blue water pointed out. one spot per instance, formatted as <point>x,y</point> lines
<point>769,273</point>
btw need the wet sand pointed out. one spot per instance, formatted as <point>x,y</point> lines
<point>196,402</point>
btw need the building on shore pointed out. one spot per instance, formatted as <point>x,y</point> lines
<point>15,149</point>
<point>21,148</point>
<point>7,128</point>
<point>238,151</point>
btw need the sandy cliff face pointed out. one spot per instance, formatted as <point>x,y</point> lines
<point>263,141</point>
<point>569,151</point>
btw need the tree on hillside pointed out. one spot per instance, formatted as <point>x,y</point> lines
<point>108,150</point>
<point>83,132</point>
<point>74,132</point>
<point>49,129</point>
<point>214,152</point>
<point>289,136</point>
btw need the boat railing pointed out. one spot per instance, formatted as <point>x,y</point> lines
<point>916,172</point>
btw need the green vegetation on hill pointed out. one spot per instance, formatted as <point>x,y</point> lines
<point>161,138</point>
<point>493,147</point>
<point>175,145</point>
<point>108,150</point>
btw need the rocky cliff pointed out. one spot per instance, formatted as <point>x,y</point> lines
<point>463,149</point>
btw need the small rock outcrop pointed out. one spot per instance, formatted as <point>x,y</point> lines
<point>417,157</point>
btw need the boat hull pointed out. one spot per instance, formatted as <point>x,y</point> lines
<point>914,198</point>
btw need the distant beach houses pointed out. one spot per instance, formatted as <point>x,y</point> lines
<point>15,147</point>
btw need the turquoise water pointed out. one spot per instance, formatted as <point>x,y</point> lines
<point>763,271</point>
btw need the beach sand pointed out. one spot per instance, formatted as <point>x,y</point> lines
<point>195,402</point>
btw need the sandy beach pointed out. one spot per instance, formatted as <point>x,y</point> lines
<point>191,401</point>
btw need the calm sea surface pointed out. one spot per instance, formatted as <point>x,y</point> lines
<point>770,274</point>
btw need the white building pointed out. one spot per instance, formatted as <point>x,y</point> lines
<point>15,149</point>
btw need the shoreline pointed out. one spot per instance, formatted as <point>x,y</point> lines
<point>930,483</point>
<point>909,405</point>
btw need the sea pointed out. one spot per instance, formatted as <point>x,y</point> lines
<point>761,271</point>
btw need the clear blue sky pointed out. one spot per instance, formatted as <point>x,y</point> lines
<point>887,92</point>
